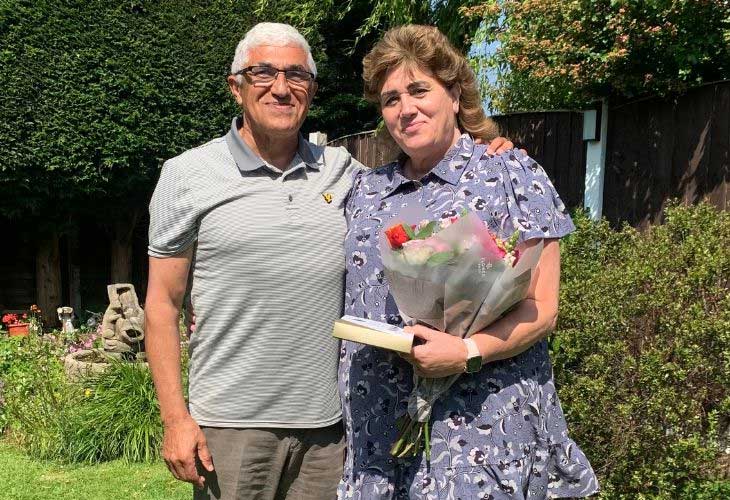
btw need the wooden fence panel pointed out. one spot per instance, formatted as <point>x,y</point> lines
<point>718,178</point>
<point>17,269</point>
<point>369,148</point>
<point>660,149</point>
<point>555,140</point>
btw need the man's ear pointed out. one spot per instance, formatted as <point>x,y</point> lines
<point>235,89</point>
<point>313,91</point>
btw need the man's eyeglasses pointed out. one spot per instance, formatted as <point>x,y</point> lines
<point>265,75</point>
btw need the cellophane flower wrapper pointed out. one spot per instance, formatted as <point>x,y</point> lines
<point>461,296</point>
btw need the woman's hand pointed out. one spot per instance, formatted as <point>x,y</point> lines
<point>440,354</point>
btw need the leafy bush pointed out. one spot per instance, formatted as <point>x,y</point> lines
<point>105,417</point>
<point>557,54</point>
<point>37,400</point>
<point>113,415</point>
<point>642,351</point>
<point>118,417</point>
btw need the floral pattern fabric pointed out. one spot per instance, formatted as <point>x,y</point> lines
<point>497,434</point>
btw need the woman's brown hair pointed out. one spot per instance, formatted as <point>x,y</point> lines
<point>427,49</point>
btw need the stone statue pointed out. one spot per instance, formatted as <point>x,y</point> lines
<point>65,316</point>
<point>123,323</point>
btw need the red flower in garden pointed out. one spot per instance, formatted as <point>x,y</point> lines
<point>10,319</point>
<point>396,236</point>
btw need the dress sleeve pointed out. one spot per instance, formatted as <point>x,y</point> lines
<point>356,171</point>
<point>533,203</point>
<point>173,213</point>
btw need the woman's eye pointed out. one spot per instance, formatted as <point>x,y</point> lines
<point>419,91</point>
<point>390,101</point>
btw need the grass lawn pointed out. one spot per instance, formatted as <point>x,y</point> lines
<point>22,478</point>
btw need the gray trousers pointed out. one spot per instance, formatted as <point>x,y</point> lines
<point>273,464</point>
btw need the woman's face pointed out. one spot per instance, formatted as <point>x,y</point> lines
<point>419,111</point>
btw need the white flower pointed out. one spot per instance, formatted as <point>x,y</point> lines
<point>417,252</point>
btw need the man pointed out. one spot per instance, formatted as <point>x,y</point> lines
<point>252,223</point>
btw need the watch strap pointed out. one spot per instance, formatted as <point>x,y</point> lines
<point>473,356</point>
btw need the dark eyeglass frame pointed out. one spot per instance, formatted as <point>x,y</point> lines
<point>288,73</point>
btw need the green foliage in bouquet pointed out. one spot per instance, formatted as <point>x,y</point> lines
<point>642,352</point>
<point>118,417</point>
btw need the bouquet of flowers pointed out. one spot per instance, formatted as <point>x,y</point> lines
<point>454,276</point>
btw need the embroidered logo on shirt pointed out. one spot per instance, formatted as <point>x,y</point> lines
<point>327,197</point>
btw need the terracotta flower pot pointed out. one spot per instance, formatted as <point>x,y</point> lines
<point>19,330</point>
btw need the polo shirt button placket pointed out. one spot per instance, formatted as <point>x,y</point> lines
<point>292,209</point>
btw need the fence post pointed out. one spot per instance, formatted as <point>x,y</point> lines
<point>318,138</point>
<point>595,133</point>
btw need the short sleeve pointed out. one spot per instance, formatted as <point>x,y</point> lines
<point>533,203</point>
<point>173,213</point>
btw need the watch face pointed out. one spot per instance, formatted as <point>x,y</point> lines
<point>473,364</point>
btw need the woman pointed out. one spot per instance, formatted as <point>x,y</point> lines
<point>500,432</point>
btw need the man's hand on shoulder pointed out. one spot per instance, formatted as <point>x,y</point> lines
<point>499,145</point>
<point>183,442</point>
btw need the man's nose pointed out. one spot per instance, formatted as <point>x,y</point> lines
<point>280,88</point>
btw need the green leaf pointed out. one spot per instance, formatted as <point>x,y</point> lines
<point>440,258</point>
<point>426,231</point>
<point>409,231</point>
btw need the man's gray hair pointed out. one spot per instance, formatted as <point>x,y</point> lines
<point>272,35</point>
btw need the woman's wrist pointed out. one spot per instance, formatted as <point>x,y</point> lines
<point>473,361</point>
<point>485,344</point>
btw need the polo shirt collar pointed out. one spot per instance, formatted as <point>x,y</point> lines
<point>248,161</point>
<point>449,169</point>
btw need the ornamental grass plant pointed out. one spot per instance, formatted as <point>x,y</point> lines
<point>117,417</point>
<point>642,353</point>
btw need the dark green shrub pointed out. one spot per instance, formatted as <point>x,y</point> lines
<point>642,352</point>
<point>118,417</point>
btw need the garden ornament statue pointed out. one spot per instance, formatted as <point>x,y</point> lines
<point>123,323</point>
<point>65,315</point>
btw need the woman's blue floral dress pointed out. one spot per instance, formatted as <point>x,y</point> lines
<point>497,434</point>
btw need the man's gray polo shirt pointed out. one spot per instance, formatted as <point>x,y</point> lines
<point>266,278</point>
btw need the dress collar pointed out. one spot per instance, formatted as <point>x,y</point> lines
<point>449,169</point>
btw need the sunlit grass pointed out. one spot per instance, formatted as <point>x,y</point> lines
<point>22,478</point>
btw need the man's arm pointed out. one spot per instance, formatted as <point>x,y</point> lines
<point>183,438</point>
